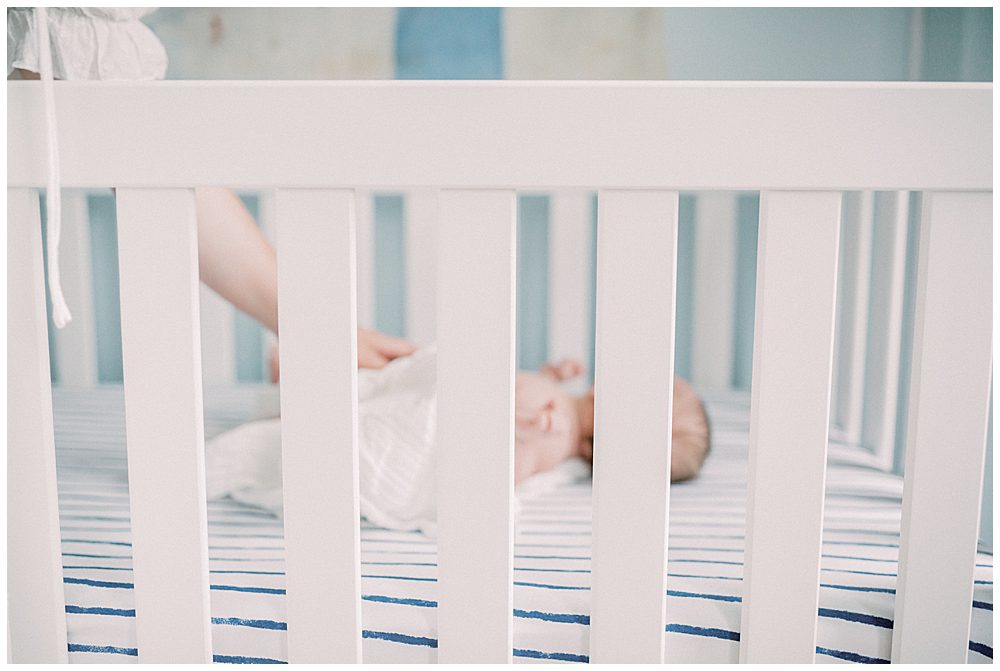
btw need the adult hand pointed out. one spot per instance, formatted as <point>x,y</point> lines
<point>377,349</point>
<point>374,351</point>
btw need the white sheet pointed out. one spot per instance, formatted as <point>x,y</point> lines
<point>551,558</point>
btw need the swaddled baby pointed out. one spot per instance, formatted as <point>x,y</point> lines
<point>397,415</point>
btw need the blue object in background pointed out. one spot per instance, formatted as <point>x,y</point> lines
<point>532,281</point>
<point>448,43</point>
<point>390,265</point>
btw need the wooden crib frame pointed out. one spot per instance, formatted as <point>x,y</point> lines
<point>639,143</point>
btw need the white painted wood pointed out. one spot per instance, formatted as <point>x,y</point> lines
<point>946,439</point>
<point>636,279</point>
<point>475,458</point>
<point>878,429</point>
<point>267,219</point>
<point>421,265</point>
<point>36,610</point>
<point>854,289</point>
<point>714,318</point>
<point>549,134</point>
<point>164,427</point>
<point>365,226</point>
<point>570,216</point>
<point>319,434</point>
<point>218,338</point>
<point>76,343</point>
<point>789,422</point>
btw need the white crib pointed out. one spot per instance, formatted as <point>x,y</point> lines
<point>801,144</point>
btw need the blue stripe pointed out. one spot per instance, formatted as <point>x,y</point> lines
<point>248,572</point>
<point>400,638</point>
<point>558,656</point>
<point>399,577</point>
<point>855,588</point>
<point>255,624</point>
<point>422,603</point>
<point>850,656</point>
<point>707,577</point>
<point>569,618</point>
<point>862,618</point>
<point>107,649</point>
<point>982,604</point>
<point>97,610</point>
<point>240,659</point>
<point>98,568</point>
<point>535,584</point>
<point>252,590</point>
<point>80,540</point>
<point>554,570</point>
<point>78,554</point>
<point>98,583</point>
<point>696,595</point>
<point>981,648</point>
<point>710,632</point>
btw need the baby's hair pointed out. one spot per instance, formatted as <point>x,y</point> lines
<point>695,444</point>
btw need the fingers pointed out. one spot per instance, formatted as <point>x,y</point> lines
<point>377,349</point>
<point>567,369</point>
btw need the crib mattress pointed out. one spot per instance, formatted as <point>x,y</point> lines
<point>551,564</point>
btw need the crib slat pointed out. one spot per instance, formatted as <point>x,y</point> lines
<point>76,343</point>
<point>789,423</point>
<point>36,609</point>
<point>421,264</point>
<point>636,275</point>
<point>946,440</point>
<point>886,325</point>
<point>854,289</point>
<point>714,290</point>
<point>318,342</point>
<point>218,339</point>
<point>569,274</point>
<point>365,228</point>
<point>161,359</point>
<point>475,458</point>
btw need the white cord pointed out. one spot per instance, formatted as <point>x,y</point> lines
<point>53,202</point>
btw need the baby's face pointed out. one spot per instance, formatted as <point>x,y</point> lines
<point>546,425</point>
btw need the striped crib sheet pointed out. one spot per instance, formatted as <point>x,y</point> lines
<point>551,564</point>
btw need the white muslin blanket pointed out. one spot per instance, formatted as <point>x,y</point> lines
<point>397,413</point>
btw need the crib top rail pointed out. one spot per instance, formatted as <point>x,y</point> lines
<point>685,135</point>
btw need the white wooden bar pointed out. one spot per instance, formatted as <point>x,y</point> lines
<point>161,359</point>
<point>266,219</point>
<point>36,611</point>
<point>76,343</point>
<point>789,423</point>
<point>946,440</point>
<point>421,261</point>
<point>475,457</point>
<point>316,316</point>
<point>569,274</point>
<point>365,228</point>
<point>853,318</point>
<point>549,133</point>
<point>218,338</point>
<point>878,428</point>
<point>713,322</point>
<point>637,249</point>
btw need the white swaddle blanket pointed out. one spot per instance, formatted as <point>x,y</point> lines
<point>397,413</point>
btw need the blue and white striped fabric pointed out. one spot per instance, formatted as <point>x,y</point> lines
<point>552,558</point>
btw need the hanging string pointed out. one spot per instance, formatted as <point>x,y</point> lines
<point>53,202</point>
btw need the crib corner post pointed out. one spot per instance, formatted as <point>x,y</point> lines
<point>36,610</point>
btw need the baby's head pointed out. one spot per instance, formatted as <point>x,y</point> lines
<point>691,431</point>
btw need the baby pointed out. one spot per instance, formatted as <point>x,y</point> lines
<point>552,426</point>
<point>397,419</point>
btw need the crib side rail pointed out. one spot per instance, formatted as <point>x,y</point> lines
<point>772,135</point>
<point>587,147</point>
